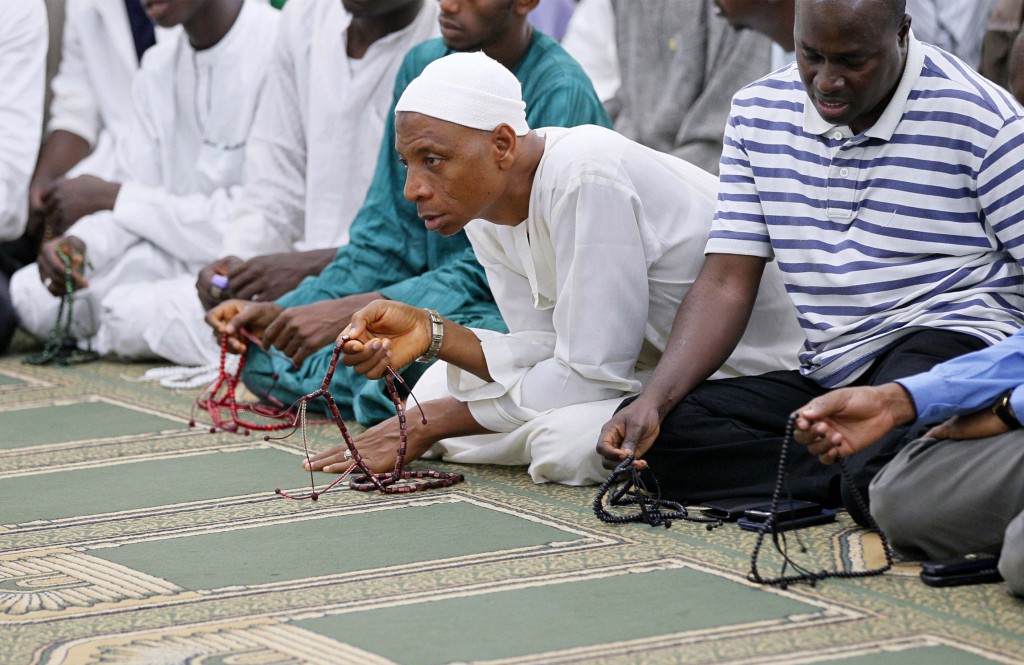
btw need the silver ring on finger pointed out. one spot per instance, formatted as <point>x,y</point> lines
<point>255,297</point>
<point>347,455</point>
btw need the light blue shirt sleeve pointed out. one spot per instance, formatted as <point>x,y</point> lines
<point>971,382</point>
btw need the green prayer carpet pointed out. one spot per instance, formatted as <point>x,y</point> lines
<point>126,537</point>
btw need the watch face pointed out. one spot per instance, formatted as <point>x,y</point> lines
<point>1004,410</point>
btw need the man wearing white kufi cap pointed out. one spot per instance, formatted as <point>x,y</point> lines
<point>391,254</point>
<point>589,241</point>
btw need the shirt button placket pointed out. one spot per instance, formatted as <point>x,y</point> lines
<point>839,204</point>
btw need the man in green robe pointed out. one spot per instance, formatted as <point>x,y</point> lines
<point>391,254</point>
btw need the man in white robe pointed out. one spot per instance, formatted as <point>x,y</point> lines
<point>23,43</point>
<point>589,241</point>
<point>194,99</point>
<point>312,151</point>
<point>91,111</point>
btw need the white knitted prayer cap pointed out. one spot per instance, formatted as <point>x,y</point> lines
<point>468,89</point>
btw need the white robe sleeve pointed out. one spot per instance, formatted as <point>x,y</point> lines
<point>589,349</point>
<point>187,226</point>
<point>105,240</point>
<point>23,41</point>
<point>74,107</point>
<point>271,211</point>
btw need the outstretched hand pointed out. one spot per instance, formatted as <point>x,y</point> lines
<point>631,431</point>
<point>232,316</point>
<point>847,420</point>
<point>378,447</point>
<point>383,333</point>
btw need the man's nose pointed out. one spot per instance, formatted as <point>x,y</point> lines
<point>415,188</point>
<point>829,79</point>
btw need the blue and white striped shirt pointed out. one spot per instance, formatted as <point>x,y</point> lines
<point>918,222</point>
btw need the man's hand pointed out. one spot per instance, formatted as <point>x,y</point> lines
<point>67,201</point>
<point>52,268</point>
<point>847,420</point>
<point>270,277</point>
<point>301,331</point>
<point>224,266</point>
<point>631,431</point>
<point>378,446</point>
<point>386,332</point>
<point>973,426</point>
<point>232,316</point>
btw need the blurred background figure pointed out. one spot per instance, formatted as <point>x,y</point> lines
<point>91,109</point>
<point>1001,49</point>
<point>311,156</point>
<point>772,18</point>
<point>957,26</point>
<point>179,164</point>
<point>680,66</point>
<point>590,39</point>
<point>552,17</point>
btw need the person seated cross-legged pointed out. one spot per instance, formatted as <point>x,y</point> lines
<point>589,241</point>
<point>391,254</point>
<point>194,98</point>
<point>882,176</point>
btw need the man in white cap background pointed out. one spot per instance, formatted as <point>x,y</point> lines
<point>589,241</point>
<point>390,254</point>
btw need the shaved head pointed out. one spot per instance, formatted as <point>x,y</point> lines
<point>892,10</point>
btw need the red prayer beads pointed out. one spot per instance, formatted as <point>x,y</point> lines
<point>385,482</point>
<point>220,401</point>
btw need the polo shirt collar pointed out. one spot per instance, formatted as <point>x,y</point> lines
<point>885,126</point>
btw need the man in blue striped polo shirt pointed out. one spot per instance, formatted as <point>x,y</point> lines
<point>885,177</point>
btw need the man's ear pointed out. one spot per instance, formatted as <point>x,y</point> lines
<point>904,31</point>
<point>505,143</point>
<point>524,7</point>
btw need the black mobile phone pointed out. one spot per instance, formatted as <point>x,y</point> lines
<point>786,511</point>
<point>959,571</point>
<point>824,516</point>
<point>730,510</point>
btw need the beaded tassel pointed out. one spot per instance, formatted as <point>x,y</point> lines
<point>779,538</point>
<point>60,346</point>
<point>220,401</point>
<point>626,488</point>
<point>384,482</point>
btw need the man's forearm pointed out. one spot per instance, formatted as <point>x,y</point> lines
<point>898,402</point>
<point>61,151</point>
<point>446,418</point>
<point>461,347</point>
